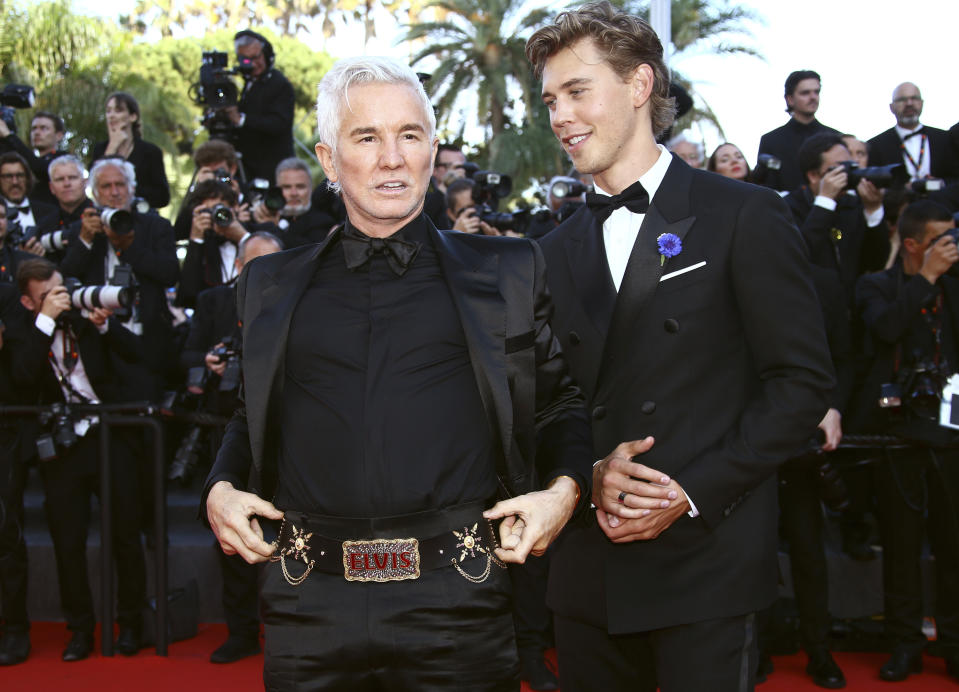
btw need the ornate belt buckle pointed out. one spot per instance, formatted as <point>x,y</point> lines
<point>381,559</point>
<point>296,547</point>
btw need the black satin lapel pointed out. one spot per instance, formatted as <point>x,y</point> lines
<point>643,272</point>
<point>473,278</point>
<point>586,253</point>
<point>264,343</point>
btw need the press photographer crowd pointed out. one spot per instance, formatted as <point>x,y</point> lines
<point>105,301</point>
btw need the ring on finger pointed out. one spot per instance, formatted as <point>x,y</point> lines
<point>622,497</point>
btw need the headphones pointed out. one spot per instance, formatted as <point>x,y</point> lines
<point>267,46</point>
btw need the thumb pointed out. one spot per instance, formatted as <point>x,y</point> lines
<point>637,447</point>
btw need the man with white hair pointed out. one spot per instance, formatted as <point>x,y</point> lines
<point>927,152</point>
<point>68,185</point>
<point>397,380</point>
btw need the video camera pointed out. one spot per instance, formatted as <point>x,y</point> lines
<point>891,175</point>
<point>15,96</point>
<point>217,91</point>
<point>567,188</point>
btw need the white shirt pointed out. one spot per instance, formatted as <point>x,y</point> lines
<point>77,378</point>
<point>227,258</point>
<point>621,229</point>
<point>914,146</point>
<point>622,226</point>
<point>24,217</point>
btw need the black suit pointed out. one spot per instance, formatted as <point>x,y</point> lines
<point>70,479</point>
<point>886,148</point>
<point>266,137</point>
<point>38,164</point>
<point>726,366</point>
<point>784,143</point>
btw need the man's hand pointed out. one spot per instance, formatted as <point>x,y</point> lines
<point>213,363</point>
<point>641,487</point>
<point>833,183</point>
<point>648,526</point>
<point>232,514</point>
<point>243,213</point>
<point>831,424</point>
<point>201,223</point>
<point>533,520</point>
<point>34,247</point>
<point>233,113</point>
<point>4,130</point>
<point>234,232</point>
<point>940,256</point>
<point>91,224</point>
<point>56,302</point>
<point>870,195</point>
<point>263,215</point>
<point>468,221</point>
<point>99,316</point>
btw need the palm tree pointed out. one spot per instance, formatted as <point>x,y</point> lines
<point>479,47</point>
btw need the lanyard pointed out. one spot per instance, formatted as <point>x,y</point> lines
<point>922,153</point>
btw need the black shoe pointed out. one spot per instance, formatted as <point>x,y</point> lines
<point>80,646</point>
<point>824,671</point>
<point>533,670</point>
<point>952,666</point>
<point>128,641</point>
<point>235,648</point>
<point>764,668</point>
<point>901,664</point>
<point>14,648</point>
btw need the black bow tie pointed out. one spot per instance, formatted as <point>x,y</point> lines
<point>25,209</point>
<point>914,134</point>
<point>635,198</point>
<point>359,248</point>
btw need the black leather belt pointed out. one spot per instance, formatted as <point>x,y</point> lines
<point>386,548</point>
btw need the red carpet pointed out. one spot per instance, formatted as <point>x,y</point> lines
<point>187,670</point>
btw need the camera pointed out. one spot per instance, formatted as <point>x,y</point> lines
<point>221,214</point>
<point>111,297</point>
<point>230,379</point>
<point>53,241</point>
<point>491,187</point>
<point>764,164</point>
<point>917,389</point>
<point>120,221</point>
<point>16,234</point>
<point>271,196</point>
<point>891,175</point>
<point>61,434</point>
<point>15,96</point>
<point>215,89</point>
<point>566,188</point>
<point>927,185</point>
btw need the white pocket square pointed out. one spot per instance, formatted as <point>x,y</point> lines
<point>683,270</point>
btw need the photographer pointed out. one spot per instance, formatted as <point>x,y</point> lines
<point>299,221</point>
<point>68,183</point>
<point>215,159</point>
<point>214,324</point>
<point>63,358</point>
<point>466,213</point>
<point>844,228</point>
<point>264,117</point>
<point>215,234</point>
<point>46,135</point>
<point>141,254</point>
<point>16,184</point>
<point>909,312</point>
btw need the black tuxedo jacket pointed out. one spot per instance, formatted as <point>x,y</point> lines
<point>784,143</point>
<point>498,286</point>
<point>266,137</point>
<point>725,364</point>
<point>885,148</point>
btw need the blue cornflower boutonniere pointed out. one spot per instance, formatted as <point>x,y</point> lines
<point>669,245</point>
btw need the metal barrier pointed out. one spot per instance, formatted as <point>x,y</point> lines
<point>121,415</point>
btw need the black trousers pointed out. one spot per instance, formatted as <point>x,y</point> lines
<point>716,655</point>
<point>13,547</point>
<point>69,482</point>
<point>534,622</point>
<point>918,491</point>
<point>438,632</point>
<point>801,518</point>
<point>239,596</point>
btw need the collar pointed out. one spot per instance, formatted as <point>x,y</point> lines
<point>903,132</point>
<point>416,231</point>
<point>652,178</point>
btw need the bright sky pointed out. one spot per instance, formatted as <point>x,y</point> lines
<point>862,49</point>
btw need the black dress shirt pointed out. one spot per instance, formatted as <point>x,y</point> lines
<point>380,406</point>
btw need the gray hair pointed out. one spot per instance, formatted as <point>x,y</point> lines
<point>124,166</point>
<point>293,164</point>
<point>333,92</point>
<point>246,40</point>
<point>680,138</point>
<point>262,235</point>
<point>67,159</point>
